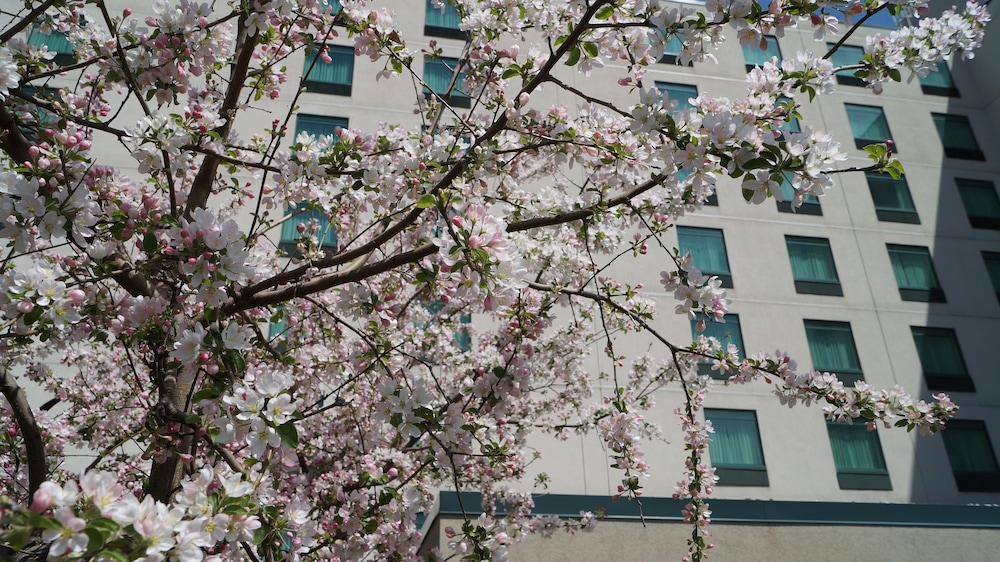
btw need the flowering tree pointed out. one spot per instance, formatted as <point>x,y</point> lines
<point>242,401</point>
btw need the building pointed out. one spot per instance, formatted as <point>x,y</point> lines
<point>894,282</point>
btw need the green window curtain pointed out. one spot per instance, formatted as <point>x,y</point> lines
<point>831,345</point>
<point>334,6</point>
<point>708,248</point>
<point>736,441</point>
<point>326,235</point>
<point>855,449</point>
<point>674,45</point>
<point>940,79</point>
<point>912,267</point>
<point>992,260</point>
<point>755,56</point>
<point>447,18</point>
<point>969,448</point>
<point>955,132</point>
<point>340,69</point>
<point>681,93</point>
<point>727,333</point>
<point>846,55</point>
<point>437,75</point>
<point>811,259</point>
<point>318,125</point>
<point>940,354</point>
<point>56,41</point>
<point>788,192</point>
<point>980,198</point>
<point>867,123</point>
<point>889,194</point>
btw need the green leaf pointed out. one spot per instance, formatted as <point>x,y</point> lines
<point>591,49</point>
<point>604,13</point>
<point>149,243</point>
<point>895,75</point>
<point>116,555</point>
<point>574,56</point>
<point>288,434</point>
<point>511,72</point>
<point>748,194</point>
<point>756,164</point>
<point>427,200</point>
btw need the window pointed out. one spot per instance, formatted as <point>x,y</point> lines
<point>332,77</point>
<point>334,5</point>
<point>438,73</point>
<point>857,454</point>
<point>812,266</point>
<point>810,204</point>
<point>915,273</point>
<point>735,448</point>
<point>939,83</point>
<point>681,93</point>
<point>318,125</point>
<point>727,333</point>
<point>792,125</point>
<point>57,43</point>
<point>868,125</point>
<point>462,338</point>
<point>831,346</point>
<point>43,118</point>
<point>957,137</point>
<point>672,49</point>
<point>992,260</point>
<point>970,453</point>
<point>847,55</point>
<point>892,199</point>
<point>981,203</point>
<point>757,54</point>
<point>710,201</point>
<point>443,22</point>
<point>307,216</point>
<point>941,359</point>
<point>708,248</point>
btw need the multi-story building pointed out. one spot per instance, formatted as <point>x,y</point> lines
<point>893,282</point>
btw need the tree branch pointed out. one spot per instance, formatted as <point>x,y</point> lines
<point>33,444</point>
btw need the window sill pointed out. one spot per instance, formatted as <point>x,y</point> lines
<point>951,92</point>
<point>327,88</point>
<point>446,32</point>
<point>951,383</point>
<point>860,144</point>
<point>964,153</point>
<point>922,295</point>
<point>804,209</point>
<point>988,223</point>
<point>851,81</point>
<point>819,288</point>
<point>909,217</point>
<point>727,279</point>
<point>454,101</point>
<point>673,59</point>
<point>742,476</point>
<point>864,481</point>
<point>977,482</point>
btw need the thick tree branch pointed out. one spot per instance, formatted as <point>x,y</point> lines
<point>22,24</point>
<point>32,435</point>
<point>14,143</point>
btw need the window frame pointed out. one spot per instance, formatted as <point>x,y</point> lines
<point>931,293</point>
<point>672,57</point>
<point>844,56</point>
<point>983,221</point>
<point>847,375</point>
<point>457,97</point>
<point>923,337</point>
<point>861,143</point>
<point>855,478</point>
<point>669,88</point>
<point>738,474</point>
<point>810,203</point>
<point>322,86</point>
<point>901,190</point>
<point>952,120</point>
<point>971,481</point>
<point>814,286</point>
<point>946,88</point>
<point>993,272</point>
<point>726,277</point>
<point>447,32</point>
<point>733,334</point>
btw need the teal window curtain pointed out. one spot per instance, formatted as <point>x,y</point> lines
<point>682,93</point>
<point>846,55</point>
<point>913,267</point>
<point>788,192</point>
<point>940,354</point>
<point>708,248</point>
<point>755,56</point>
<point>867,123</point>
<point>56,41</point>
<point>304,214</point>
<point>318,125</point>
<point>811,259</point>
<point>447,18</point>
<point>855,449</point>
<point>969,448</point>
<point>889,194</point>
<point>992,261</point>
<point>674,45</point>
<point>727,333</point>
<point>437,75</point>
<point>340,69</point>
<point>955,132</point>
<point>334,6</point>
<point>736,441</point>
<point>831,345</point>
<point>792,125</point>
<point>980,198</point>
<point>940,79</point>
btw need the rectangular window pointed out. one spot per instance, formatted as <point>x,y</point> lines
<point>812,266</point>
<point>847,55</point>
<point>939,83</point>
<point>710,201</point>
<point>915,274</point>
<point>462,338</point>
<point>831,346</point>
<point>735,448</point>
<point>981,203</point>
<point>857,454</point>
<point>306,217</point>
<point>334,77</point>
<point>868,125</point>
<point>810,204</point>
<point>957,137</point>
<point>941,359</point>
<point>672,49</point>
<point>792,125</point>
<point>970,453</point>
<point>708,248</point>
<point>892,199</point>
<point>334,5</point>
<point>318,125</point>
<point>681,93</point>
<point>57,43</point>
<point>756,54</point>
<point>727,333</point>
<point>992,261</point>
<point>438,74</point>
<point>443,22</point>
